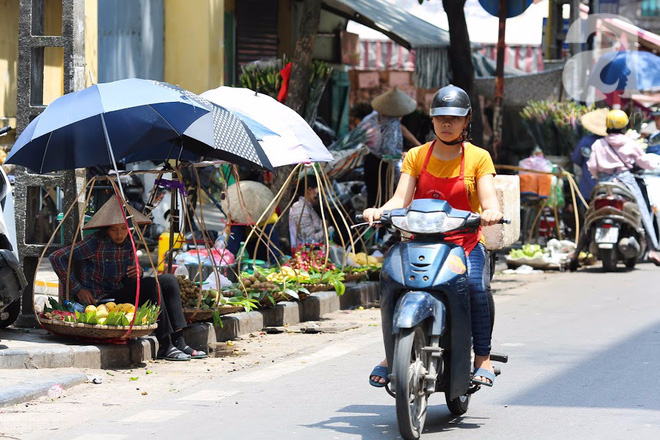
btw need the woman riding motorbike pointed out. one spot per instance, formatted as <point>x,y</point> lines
<point>613,158</point>
<point>452,169</point>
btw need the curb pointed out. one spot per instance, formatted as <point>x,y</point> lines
<point>200,336</point>
<point>24,393</point>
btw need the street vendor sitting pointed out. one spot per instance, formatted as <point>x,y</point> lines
<point>103,267</point>
<point>305,224</point>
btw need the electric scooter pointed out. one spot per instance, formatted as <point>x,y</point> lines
<point>426,277</point>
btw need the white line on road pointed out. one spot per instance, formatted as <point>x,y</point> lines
<point>291,365</point>
<point>150,415</point>
<point>103,436</point>
<point>210,395</point>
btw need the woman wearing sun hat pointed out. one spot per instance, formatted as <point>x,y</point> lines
<point>594,123</point>
<point>385,135</point>
<point>104,266</point>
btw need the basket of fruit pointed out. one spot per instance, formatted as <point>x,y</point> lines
<point>105,321</point>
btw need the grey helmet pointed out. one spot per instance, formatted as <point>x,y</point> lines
<point>450,101</point>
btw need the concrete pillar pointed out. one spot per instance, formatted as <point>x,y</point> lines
<point>31,43</point>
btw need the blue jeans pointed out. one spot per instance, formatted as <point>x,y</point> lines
<point>482,306</point>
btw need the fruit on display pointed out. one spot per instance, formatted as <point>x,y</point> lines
<point>287,273</point>
<point>190,292</point>
<point>527,251</point>
<point>362,259</point>
<point>121,315</point>
<point>310,258</point>
<point>260,282</point>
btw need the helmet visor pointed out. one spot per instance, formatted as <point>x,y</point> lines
<point>449,111</point>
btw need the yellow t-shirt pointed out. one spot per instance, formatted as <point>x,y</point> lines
<point>478,163</point>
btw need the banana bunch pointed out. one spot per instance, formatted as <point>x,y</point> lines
<point>362,259</point>
<point>287,273</point>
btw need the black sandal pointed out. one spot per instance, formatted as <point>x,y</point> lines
<point>194,354</point>
<point>173,354</point>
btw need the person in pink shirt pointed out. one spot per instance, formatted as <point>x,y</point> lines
<point>613,158</point>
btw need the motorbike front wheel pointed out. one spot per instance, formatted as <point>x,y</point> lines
<point>410,384</point>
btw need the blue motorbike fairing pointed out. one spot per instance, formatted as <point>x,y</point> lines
<point>427,265</point>
<point>414,307</point>
<point>439,269</point>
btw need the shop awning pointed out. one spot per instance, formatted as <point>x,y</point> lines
<point>429,42</point>
<point>398,24</point>
<point>644,38</point>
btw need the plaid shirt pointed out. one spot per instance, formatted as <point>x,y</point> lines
<point>100,264</point>
<point>305,225</point>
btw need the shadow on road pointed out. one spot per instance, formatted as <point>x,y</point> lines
<point>624,376</point>
<point>370,422</point>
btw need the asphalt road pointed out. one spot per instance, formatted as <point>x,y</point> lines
<point>583,353</point>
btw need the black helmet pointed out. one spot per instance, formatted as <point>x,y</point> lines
<point>450,101</point>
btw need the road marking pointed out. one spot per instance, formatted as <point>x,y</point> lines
<point>210,395</point>
<point>512,344</point>
<point>292,365</point>
<point>103,436</point>
<point>159,415</point>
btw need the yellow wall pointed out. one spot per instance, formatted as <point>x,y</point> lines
<point>8,62</point>
<point>91,41</point>
<point>53,76</point>
<point>53,56</point>
<point>194,35</point>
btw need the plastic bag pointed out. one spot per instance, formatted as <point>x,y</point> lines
<point>556,197</point>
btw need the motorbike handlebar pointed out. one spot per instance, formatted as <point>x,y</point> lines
<point>5,130</point>
<point>473,221</point>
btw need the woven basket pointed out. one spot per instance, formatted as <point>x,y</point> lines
<point>355,276</point>
<point>225,310</point>
<point>201,315</point>
<point>96,331</point>
<point>318,287</point>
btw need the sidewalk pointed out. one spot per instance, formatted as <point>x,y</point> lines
<point>22,351</point>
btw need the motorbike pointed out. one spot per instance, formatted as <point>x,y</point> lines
<point>613,229</point>
<point>12,279</point>
<point>427,277</point>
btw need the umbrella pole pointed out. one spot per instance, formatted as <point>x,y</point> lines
<point>174,225</point>
<point>112,157</point>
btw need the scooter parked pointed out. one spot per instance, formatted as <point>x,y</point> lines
<point>427,277</point>
<point>613,229</point>
<point>12,279</point>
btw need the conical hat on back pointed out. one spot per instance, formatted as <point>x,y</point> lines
<point>595,121</point>
<point>110,214</point>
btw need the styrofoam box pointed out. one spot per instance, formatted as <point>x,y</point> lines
<point>508,193</point>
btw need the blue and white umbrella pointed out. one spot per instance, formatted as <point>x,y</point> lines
<point>130,120</point>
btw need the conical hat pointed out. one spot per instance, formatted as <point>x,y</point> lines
<point>252,203</point>
<point>394,103</point>
<point>110,215</point>
<point>594,121</point>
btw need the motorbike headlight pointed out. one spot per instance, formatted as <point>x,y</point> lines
<point>427,222</point>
